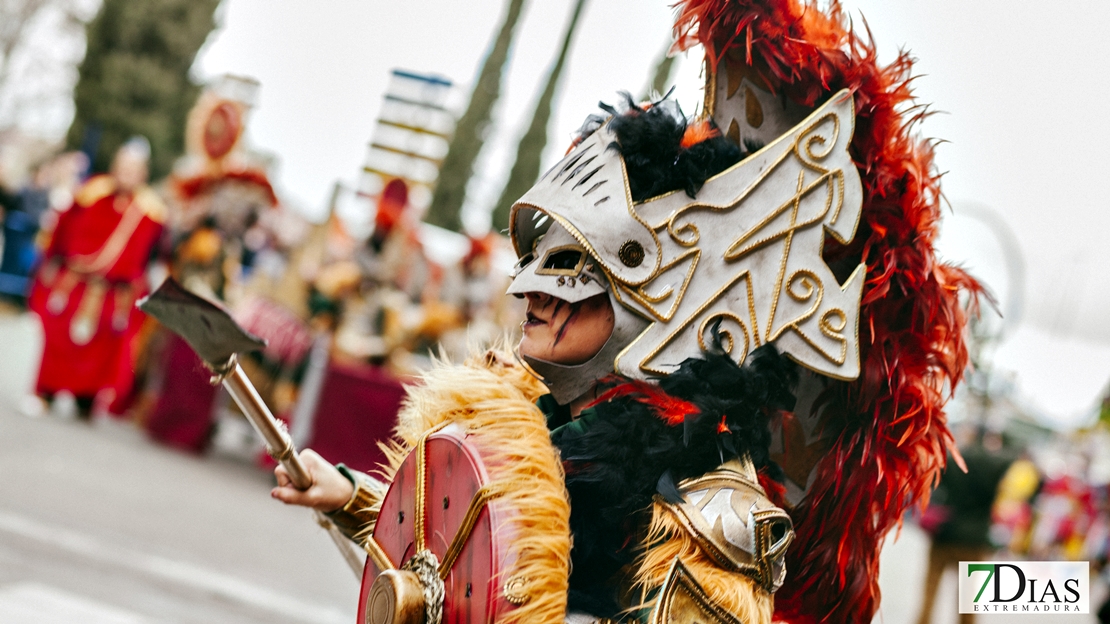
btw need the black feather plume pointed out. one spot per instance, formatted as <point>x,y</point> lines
<point>649,139</point>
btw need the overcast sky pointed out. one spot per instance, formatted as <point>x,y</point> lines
<point>1022,86</point>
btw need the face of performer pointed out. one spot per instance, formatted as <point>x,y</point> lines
<point>566,333</point>
<point>129,169</point>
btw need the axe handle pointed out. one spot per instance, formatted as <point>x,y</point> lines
<point>280,446</point>
<point>278,442</point>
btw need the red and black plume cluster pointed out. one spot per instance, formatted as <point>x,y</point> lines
<point>661,149</point>
<point>642,439</point>
<point>890,431</point>
<point>663,152</point>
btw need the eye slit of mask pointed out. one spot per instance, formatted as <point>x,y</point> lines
<point>567,260</point>
<point>778,531</point>
<point>524,261</point>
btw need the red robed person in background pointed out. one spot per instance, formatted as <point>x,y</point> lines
<point>93,271</point>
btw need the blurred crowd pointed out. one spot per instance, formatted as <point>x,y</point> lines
<point>1054,502</point>
<point>1042,501</point>
<point>79,250</point>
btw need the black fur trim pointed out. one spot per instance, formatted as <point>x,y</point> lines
<point>625,453</point>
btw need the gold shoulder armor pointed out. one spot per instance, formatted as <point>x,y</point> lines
<point>681,601</point>
<point>734,522</point>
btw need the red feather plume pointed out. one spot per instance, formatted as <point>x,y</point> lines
<point>892,429</point>
<point>671,410</point>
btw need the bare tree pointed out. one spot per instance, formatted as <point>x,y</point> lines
<point>15,18</point>
<point>41,42</point>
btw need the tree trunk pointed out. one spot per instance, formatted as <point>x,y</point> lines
<point>135,78</point>
<point>662,76</point>
<point>526,167</point>
<point>458,164</point>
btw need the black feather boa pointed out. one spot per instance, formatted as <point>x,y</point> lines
<point>619,457</point>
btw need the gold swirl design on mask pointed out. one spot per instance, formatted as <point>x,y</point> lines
<point>815,290</point>
<point>744,276</point>
<point>810,148</point>
<point>650,302</point>
<point>836,332</point>
<point>686,230</point>
<point>725,334</point>
<point>802,149</point>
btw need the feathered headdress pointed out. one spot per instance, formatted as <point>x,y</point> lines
<point>885,435</point>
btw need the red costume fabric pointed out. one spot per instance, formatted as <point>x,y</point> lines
<point>356,413</point>
<point>184,415</point>
<point>92,273</point>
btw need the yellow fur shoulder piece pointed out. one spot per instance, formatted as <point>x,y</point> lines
<point>494,398</point>
<point>732,591</point>
<point>95,189</point>
<point>449,392</point>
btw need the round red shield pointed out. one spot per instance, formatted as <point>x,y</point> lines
<point>439,501</point>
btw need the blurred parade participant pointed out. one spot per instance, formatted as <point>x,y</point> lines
<point>393,257</point>
<point>8,200</point>
<point>222,195</point>
<point>357,287</point>
<point>1013,512</point>
<point>222,191</point>
<point>396,311</point>
<point>685,278</point>
<point>94,269</point>
<point>37,206</point>
<point>1064,510</point>
<point>960,514</point>
<point>18,243</point>
<point>474,288</point>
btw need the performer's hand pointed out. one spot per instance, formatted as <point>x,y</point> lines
<point>330,490</point>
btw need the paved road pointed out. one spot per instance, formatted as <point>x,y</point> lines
<point>99,525</point>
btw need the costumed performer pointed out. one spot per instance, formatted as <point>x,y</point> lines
<point>220,197</point>
<point>623,440</point>
<point>705,296</point>
<point>93,271</point>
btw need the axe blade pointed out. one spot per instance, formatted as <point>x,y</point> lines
<point>206,326</point>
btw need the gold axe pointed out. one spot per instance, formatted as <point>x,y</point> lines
<point>217,339</point>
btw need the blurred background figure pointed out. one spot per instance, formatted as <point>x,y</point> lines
<point>959,516</point>
<point>9,203</point>
<point>22,215</point>
<point>93,271</point>
<point>222,224</point>
<point>46,194</point>
<point>1013,511</point>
